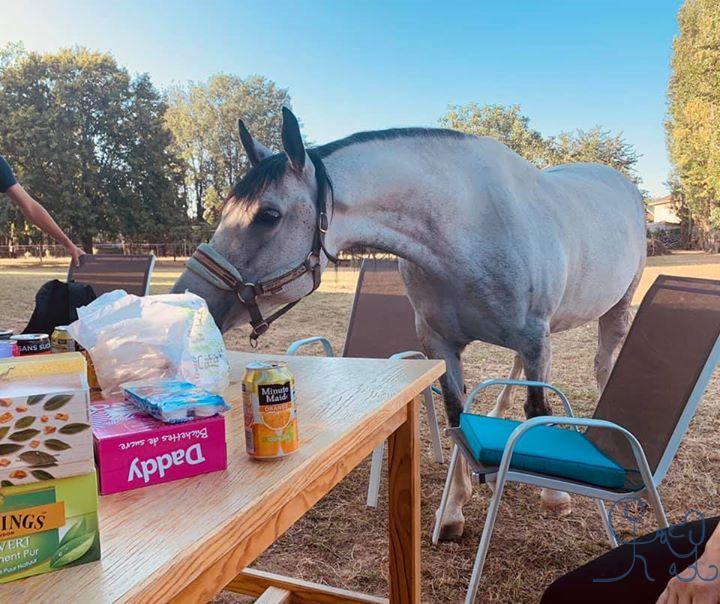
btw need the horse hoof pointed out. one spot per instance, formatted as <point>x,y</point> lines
<point>557,503</point>
<point>557,509</point>
<point>452,530</point>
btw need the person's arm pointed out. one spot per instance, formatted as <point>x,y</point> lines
<point>39,216</point>
<point>699,583</point>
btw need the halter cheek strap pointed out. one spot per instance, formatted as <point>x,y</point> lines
<point>214,268</point>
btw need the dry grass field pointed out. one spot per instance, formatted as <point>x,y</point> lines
<point>341,542</point>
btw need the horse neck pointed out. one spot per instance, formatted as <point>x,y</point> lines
<point>390,196</point>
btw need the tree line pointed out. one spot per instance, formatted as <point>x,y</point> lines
<point>693,122</point>
<point>112,157</point>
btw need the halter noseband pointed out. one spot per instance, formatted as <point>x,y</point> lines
<point>212,266</point>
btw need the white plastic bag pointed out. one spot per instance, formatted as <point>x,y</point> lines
<point>169,336</point>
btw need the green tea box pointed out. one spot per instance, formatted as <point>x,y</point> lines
<point>44,418</point>
<point>48,525</point>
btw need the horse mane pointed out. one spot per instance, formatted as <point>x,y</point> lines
<point>273,168</point>
<point>386,135</point>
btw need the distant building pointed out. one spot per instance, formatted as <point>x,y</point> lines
<point>662,210</point>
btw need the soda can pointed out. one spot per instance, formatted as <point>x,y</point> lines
<point>8,348</point>
<point>61,340</point>
<point>270,410</point>
<point>92,378</point>
<point>32,343</point>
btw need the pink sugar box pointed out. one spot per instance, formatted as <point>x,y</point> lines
<point>134,450</point>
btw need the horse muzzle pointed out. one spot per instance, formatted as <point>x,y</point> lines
<point>225,308</point>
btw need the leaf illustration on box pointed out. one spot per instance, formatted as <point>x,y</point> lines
<point>73,428</point>
<point>37,459</point>
<point>24,435</point>
<point>8,448</point>
<point>42,475</point>
<point>25,422</point>
<point>35,399</point>
<point>56,445</point>
<point>3,431</point>
<point>72,550</point>
<point>56,402</point>
<point>75,531</point>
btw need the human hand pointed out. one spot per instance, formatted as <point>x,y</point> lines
<point>75,253</point>
<point>697,584</point>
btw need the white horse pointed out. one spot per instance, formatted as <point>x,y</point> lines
<point>491,248</point>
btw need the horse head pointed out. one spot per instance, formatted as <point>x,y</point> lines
<point>267,250</point>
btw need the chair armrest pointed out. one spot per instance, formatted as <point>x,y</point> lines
<point>549,420</point>
<point>409,354</point>
<point>505,382</point>
<point>297,344</point>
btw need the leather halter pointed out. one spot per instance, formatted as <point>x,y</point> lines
<point>212,266</point>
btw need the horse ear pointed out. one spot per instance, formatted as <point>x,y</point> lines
<point>292,140</point>
<point>256,152</point>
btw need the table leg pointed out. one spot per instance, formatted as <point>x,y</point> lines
<point>404,509</point>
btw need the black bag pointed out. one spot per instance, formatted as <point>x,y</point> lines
<point>56,303</point>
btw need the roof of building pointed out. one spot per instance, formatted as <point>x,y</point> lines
<point>660,201</point>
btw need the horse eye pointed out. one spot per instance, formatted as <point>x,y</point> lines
<point>267,217</point>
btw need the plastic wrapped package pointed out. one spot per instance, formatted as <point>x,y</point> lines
<point>169,336</point>
<point>173,401</point>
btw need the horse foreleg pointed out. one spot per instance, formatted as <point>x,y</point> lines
<point>506,394</point>
<point>453,387</point>
<point>537,358</point>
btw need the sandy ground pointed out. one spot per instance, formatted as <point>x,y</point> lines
<point>343,543</point>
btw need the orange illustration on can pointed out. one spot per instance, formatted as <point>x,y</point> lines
<point>269,409</point>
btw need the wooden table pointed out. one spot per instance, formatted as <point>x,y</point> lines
<point>189,539</point>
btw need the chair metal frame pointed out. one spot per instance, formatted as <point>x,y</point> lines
<point>378,453</point>
<point>503,474</point>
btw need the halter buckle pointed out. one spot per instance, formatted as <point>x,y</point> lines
<point>259,329</point>
<point>253,290</point>
<point>312,261</point>
<point>323,223</point>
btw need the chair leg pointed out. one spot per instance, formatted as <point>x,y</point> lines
<point>606,523</point>
<point>377,456</point>
<point>375,475</point>
<point>433,424</point>
<point>654,499</point>
<point>446,493</point>
<point>485,541</point>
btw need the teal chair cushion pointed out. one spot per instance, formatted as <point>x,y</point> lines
<point>544,449</point>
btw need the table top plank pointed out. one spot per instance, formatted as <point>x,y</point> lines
<point>158,539</point>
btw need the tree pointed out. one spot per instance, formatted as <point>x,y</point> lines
<point>187,121</point>
<point>506,124</point>
<point>594,145</point>
<point>693,122</point>
<point>10,52</point>
<point>90,143</point>
<point>511,127</point>
<point>203,119</point>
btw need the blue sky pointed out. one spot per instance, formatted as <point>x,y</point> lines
<point>371,64</point>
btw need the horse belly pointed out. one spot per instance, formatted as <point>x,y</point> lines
<point>605,256</point>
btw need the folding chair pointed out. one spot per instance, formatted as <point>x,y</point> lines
<point>108,272</point>
<point>382,325</point>
<point>660,375</point>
